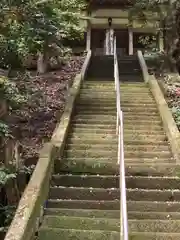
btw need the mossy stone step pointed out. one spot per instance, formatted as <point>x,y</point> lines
<point>93,130</point>
<point>138,206</point>
<point>154,215</point>
<point>94,121</point>
<point>112,91</point>
<point>126,108</point>
<point>90,213</point>
<point>111,106</point>
<point>111,142</point>
<point>112,130</point>
<point>65,222</point>
<point>127,136</point>
<point>168,226</point>
<point>78,193</point>
<point>148,123</point>
<point>86,166</point>
<point>129,127</point>
<point>112,168</point>
<point>152,182</point>
<point>81,223</point>
<point>111,83</point>
<point>109,181</point>
<point>101,112</point>
<point>153,206</point>
<point>75,153</point>
<point>129,161</point>
<point>74,140</point>
<point>84,180</point>
<point>112,95</point>
<point>126,101</point>
<point>112,88</point>
<point>112,100</point>
<point>72,234</point>
<point>83,204</point>
<point>98,111</point>
<point>98,82</point>
<point>113,147</point>
<point>113,117</point>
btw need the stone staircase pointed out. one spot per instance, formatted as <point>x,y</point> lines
<point>84,195</point>
<point>129,68</point>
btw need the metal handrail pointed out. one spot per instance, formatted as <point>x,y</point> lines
<point>120,161</point>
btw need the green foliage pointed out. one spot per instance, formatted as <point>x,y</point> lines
<point>27,170</point>
<point>176,114</point>
<point>7,214</point>
<point>148,41</point>
<point>29,26</point>
<point>10,92</point>
<point>4,130</point>
<point>5,175</point>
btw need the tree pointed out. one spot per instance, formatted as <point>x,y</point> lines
<point>37,27</point>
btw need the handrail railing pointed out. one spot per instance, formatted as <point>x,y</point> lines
<point>143,65</point>
<point>120,161</point>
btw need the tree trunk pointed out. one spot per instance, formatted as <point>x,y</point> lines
<point>42,63</point>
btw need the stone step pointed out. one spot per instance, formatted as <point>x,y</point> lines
<point>112,130</point>
<point>111,83</point>
<point>113,147</point>
<point>72,234</point>
<point>113,117</point>
<point>129,160</point>
<point>111,122</point>
<point>112,99</point>
<point>84,204</point>
<point>111,86</point>
<point>112,155</point>
<point>108,181</point>
<point>83,223</point>
<point>113,112</point>
<point>100,194</point>
<point>74,140</point>
<point>128,109</point>
<point>127,136</point>
<point>139,206</point>
<point>154,215</point>
<point>90,213</point>
<point>109,224</point>
<point>95,213</point>
<point>104,102</point>
<point>112,91</point>
<point>112,95</point>
<point>129,127</point>
<point>109,168</point>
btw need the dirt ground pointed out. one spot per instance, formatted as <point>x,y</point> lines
<point>35,121</point>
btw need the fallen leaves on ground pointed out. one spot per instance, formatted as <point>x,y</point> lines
<point>34,122</point>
